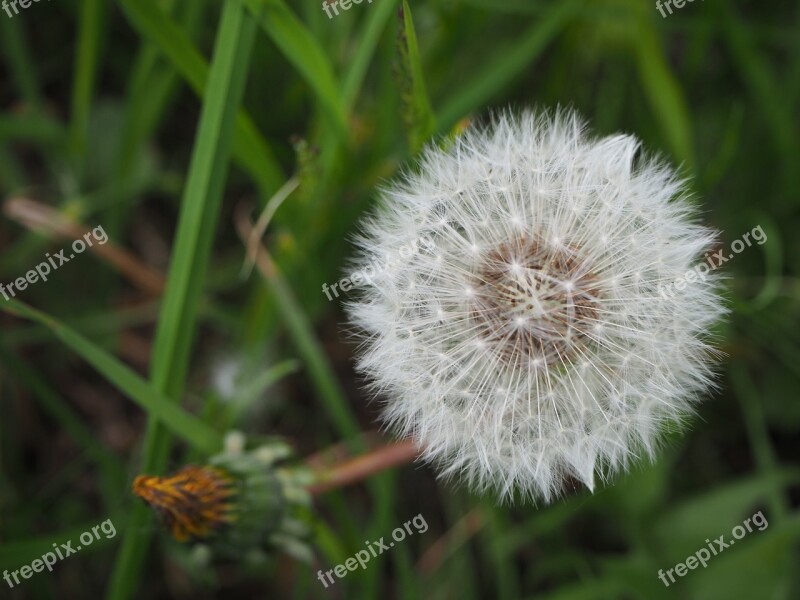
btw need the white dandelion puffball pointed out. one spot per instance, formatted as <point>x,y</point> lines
<point>531,333</point>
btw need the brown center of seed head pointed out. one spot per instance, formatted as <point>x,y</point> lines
<point>535,300</point>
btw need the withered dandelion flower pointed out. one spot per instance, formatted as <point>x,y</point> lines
<point>193,503</point>
<point>243,505</point>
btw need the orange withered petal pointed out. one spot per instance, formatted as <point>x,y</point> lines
<point>192,503</point>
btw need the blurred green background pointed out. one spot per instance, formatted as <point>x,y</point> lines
<point>165,121</point>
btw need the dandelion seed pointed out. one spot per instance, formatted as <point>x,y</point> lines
<point>559,358</point>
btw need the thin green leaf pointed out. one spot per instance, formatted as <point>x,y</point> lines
<point>506,64</point>
<point>250,148</point>
<point>26,551</point>
<point>187,426</point>
<point>664,95</point>
<point>757,73</point>
<point>417,112</point>
<point>322,376</point>
<point>20,63</point>
<point>376,22</point>
<point>259,385</point>
<point>87,61</point>
<point>31,128</point>
<point>303,51</point>
<point>197,223</point>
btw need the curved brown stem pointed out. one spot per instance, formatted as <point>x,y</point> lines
<point>359,468</point>
<point>37,216</point>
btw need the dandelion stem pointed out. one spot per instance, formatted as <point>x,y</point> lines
<point>359,468</point>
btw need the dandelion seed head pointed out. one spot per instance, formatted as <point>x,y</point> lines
<point>559,358</point>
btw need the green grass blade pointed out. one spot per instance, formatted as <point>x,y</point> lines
<point>335,403</point>
<point>112,470</point>
<point>20,63</point>
<point>87,60</point>
<point>25,551</point>
<point>31,128</point>
<point>155,25</point>
<point>151,89</point>
<point>187,426</point>
<point>664,94</point>
<point>758,434</point>
<point>417,111</point>
<point>11,176</point>
<point>255,388</point>
<point>376,22</point>
<point>199,213</point>
<point>319,369</point>
<point>252,391</point>
<point>250,149</point>
<point>759,77</point>
<point>103,323</point>
<point>147,91</point>
<point>505,65</point>
<point>757,73</point>
<point>303,51</point>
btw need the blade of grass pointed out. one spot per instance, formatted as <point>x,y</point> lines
<point>320,371</point>
<point>254,390</point>
<point>759,77</point>
<point>381,486</point>
<point>112,471</point>
<point>303,51</point>
<point>507,64</point>
<point>11,176</point>
<point>152,85</point>
<point>729,145</point>
<point>101,323</point>
<point>376,22</point>
<point>250,149</point>
<point>198,217</point>
<point>766,91</point>
<point>149,56</point>
<point>31,128</point>
<point>92,17</point>
<point>333,150</point>
<point>417,112</point>
<point>155,402</point>
<point>664,94</point>
<point>758,435</point>
<point>506,577</point>
<point>20,63</point>
<point>23,551</point>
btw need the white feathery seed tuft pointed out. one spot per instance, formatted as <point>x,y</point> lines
<point>531,341</point>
